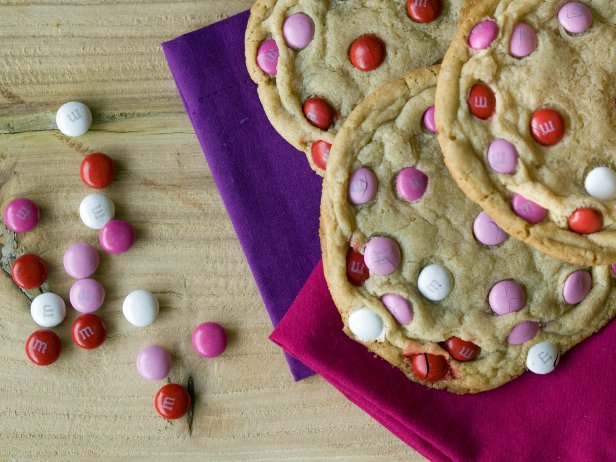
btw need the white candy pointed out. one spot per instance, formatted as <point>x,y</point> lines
<point>48,310</point>
<point>601,183</point>
<point>543,358</point>
<point>140,308</point>
<point>73,118</point>
<point>366,325</point>
<point>435,282</point>
<point>95,210</point>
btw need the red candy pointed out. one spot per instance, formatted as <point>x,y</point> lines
<point>430,367</point>
<point>320,153</point>
<point>97,170</point>
<point>547,127</point>
<point>367,52</point>
<point>88,331</point>
<point>424,10</point>
<point>357,271</point>
<point>319,113</point>
<point>461,349</point>
<point>172,401</point>
<point>481,101</point>
<point>29,271</point>
<point>43,347</point>
<point>585,221</point>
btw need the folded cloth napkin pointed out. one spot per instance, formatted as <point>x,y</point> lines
<point>271,194</point>
<point>567,415</point>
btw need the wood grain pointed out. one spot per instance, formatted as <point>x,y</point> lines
<point>106,53</point>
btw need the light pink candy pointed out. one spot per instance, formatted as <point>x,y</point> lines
<point>523,40</point>
<point>411,184</point>
<point>483,34</point>
<point>87,295</point>
<point>502,156</point>
<point>577,286</point>
<point>298,30</point>
<point>523,332</point>
<point>153,362</point>
<point>506,297</point>
<point>399,307</point>
<point>527,209</point>
<point>362,186</point>
<point>486,231</point>
<point>267,57</point>
<point>575,17</point>
<point>382,256</point>
<point>428,120</point>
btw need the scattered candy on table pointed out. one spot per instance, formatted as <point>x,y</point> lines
<point>48,309</point>
<point>21,215</point>
<point>140,308</point>
<point>209,339</point>
<point>153,362</point>
<point>29,271</point>
<point>88,331</point>
<point>172,401</point>
<point>80,260</point>
<point>74,118</point>
<point>97,170</point>
<point>117,236</point>
<point>96,210</point>
<point>87,295</point>
<point>43,347</point>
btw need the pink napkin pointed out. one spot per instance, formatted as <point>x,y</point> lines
<point>567,415</point>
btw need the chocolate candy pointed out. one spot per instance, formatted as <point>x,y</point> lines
<point>601,183</point>
<point>481,101</point>
<point>96,210</point>
<point>527,209</point>
<point>543,358</point>
<point>382,256</point>
<point>80,260</point>
<point>424,11</point>
<point>87,295</point>
<point>73,118</point>
<point>172,401</point>
<point>97,170</point>
<point>486,231</point>
<point>362,186</point>
<point>483,34</point>
<point>320,153</point>
<point>547,127</point>
<point>430,367</point>
<point>411,184</point>
<point>209,340</point>
<point>117,236</point>
<point>366,325</point>
<point>585,220</point>
<point>140,308</point>
<point>21,215</point>
<point>43,347</point>
<point>29,271</point>
<point>153,362</point>
<point>88,331</point>
<point>577,286</point>
<point>523,40</point>
<point>523,332</point>
<point>399,307</point>
<point>48,310</point>
<point>506,297</point>
<point>575,17</point>
<point>502,157</point>
<point>428,120</point>
<point>357,271</point>
<point>435,282</point>
<point>298,31</point>
<point>319,113</point>
<point>367,52</point>
<point>267,57</point>
<point>462,350</point>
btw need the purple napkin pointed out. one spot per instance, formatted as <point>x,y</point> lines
<point>268,189</point>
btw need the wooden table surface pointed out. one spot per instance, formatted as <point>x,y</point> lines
<point>107,54</point>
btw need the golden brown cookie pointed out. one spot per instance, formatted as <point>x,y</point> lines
<point>422,276</point>
<point>525,107</point>
<point>314,60</point>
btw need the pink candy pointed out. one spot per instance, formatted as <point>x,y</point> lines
<point>399,307</point>
<point>298,30</point>
<point>209,340</point>
<point>21,215</point>
<point>577,286</point>
<point>523,332</point>
<point>523,40</point>
<point>153,362</point>
<point>80,260</point>
<point>362,186</point>
<point>575,17</point>
<point>382,256</point>
<point>502,156</point>
<point>411,184</point>
<point>428,120</point>
<point>267,57</point>
<point>87,295</point>
<point>527,209</point>
<point>486,231</point>
<point>483,34</point>
<point>117,236</point>
<point>506,297</point>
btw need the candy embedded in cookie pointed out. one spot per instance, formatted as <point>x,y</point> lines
<point>337,51</point>
<point>427,280</point>
<point>531,86</point>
